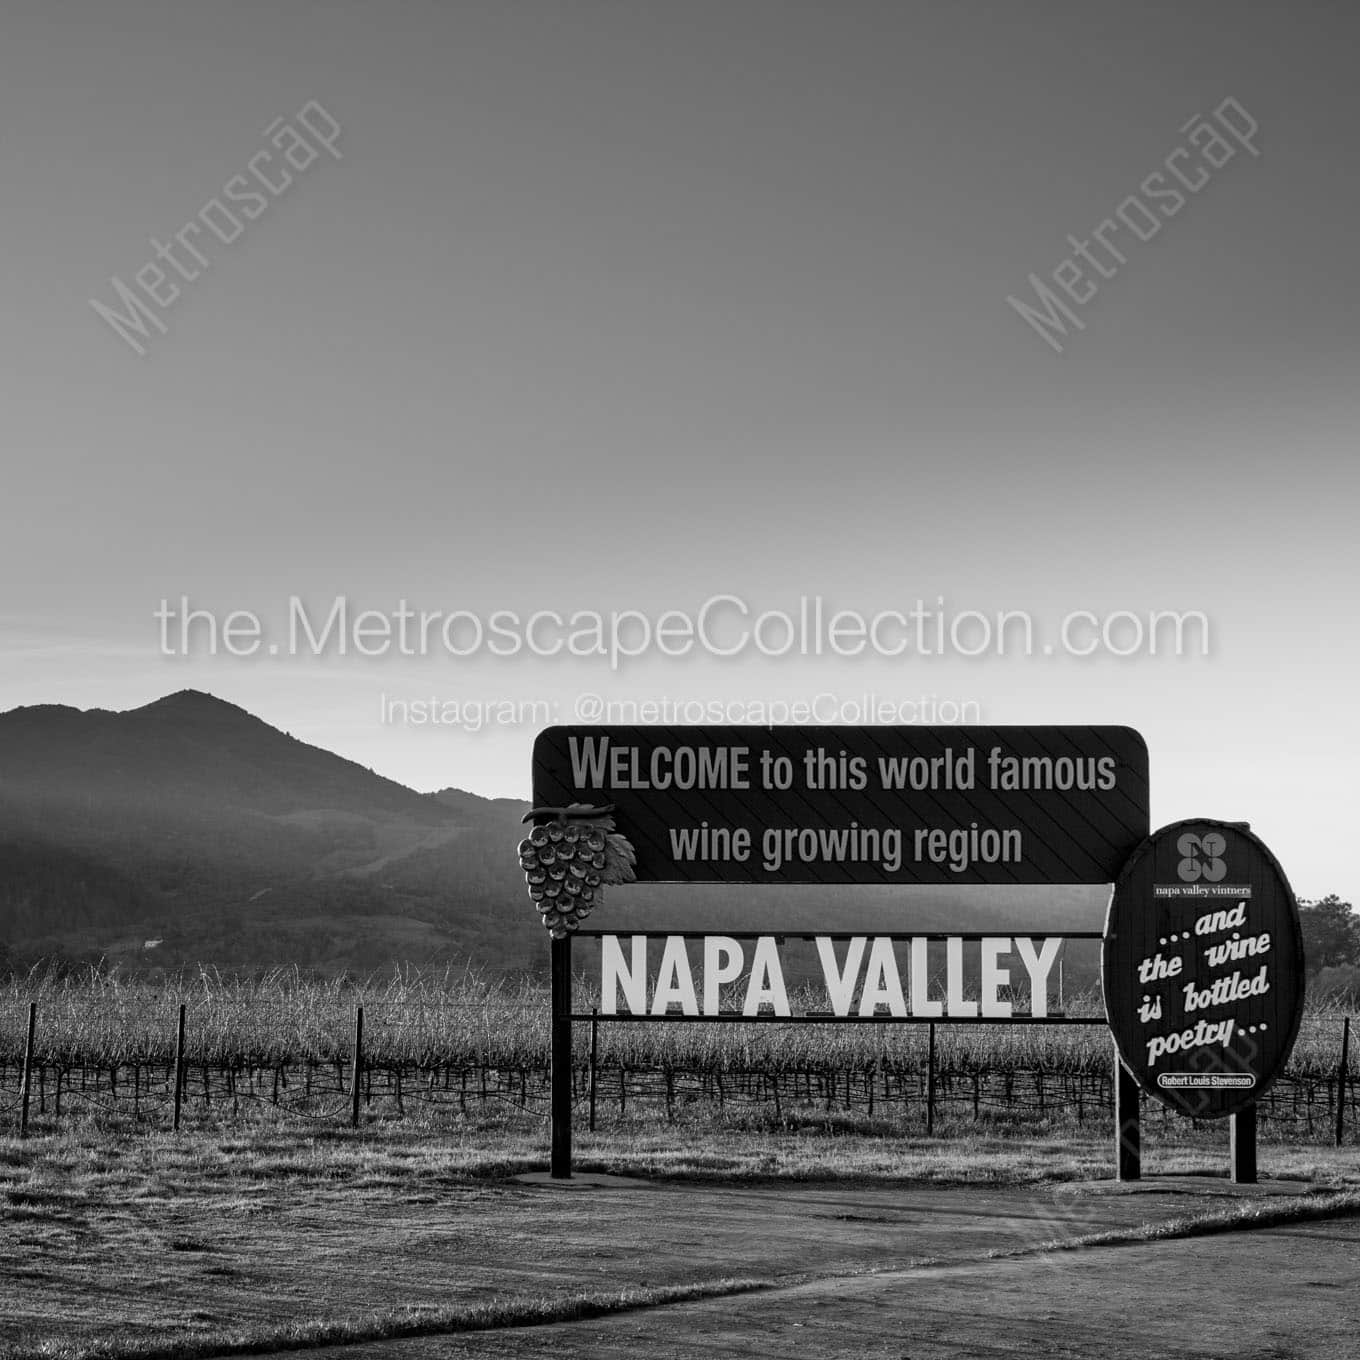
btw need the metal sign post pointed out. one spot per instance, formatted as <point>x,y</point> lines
<point>560,1071</point>
<point>1242,1145</point>
<point>1128,1129</point>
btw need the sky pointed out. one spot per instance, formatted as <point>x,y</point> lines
<point>626,306</point>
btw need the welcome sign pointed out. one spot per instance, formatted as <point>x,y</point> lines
<point>905,805</point>
<point>1202,957</point>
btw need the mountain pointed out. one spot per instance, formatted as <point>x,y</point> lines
<point>191,822</point>
<point>188,746</point>
<point>194,824</point>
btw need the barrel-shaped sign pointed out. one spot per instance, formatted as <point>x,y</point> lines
<point>1202,967</point>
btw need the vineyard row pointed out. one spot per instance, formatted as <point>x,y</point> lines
<point>1299,1107</point>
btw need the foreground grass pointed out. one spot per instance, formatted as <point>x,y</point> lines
<point>814,1149</point>
<point>391,1324</point>
<point>123,1243</point>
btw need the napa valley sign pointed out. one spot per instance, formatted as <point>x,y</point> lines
<point>907,805</point>
<point>1202,967</point>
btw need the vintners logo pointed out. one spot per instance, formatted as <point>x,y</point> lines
<point>1202,857</point>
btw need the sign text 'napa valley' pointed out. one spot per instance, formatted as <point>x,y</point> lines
<point>994,977</point>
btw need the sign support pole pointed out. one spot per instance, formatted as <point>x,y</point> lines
<point>560,1071</point>
<point>1128,1132</point>
<point>1242,1139</point>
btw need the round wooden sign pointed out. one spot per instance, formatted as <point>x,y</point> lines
<point>1202,967</point>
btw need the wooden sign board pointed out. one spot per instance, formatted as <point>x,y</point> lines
<point>904,805</point>
<point>1202,967</point>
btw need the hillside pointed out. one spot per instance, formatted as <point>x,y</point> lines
<point>193,823</point>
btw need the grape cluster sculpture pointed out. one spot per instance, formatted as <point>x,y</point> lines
<point>572,854</point>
